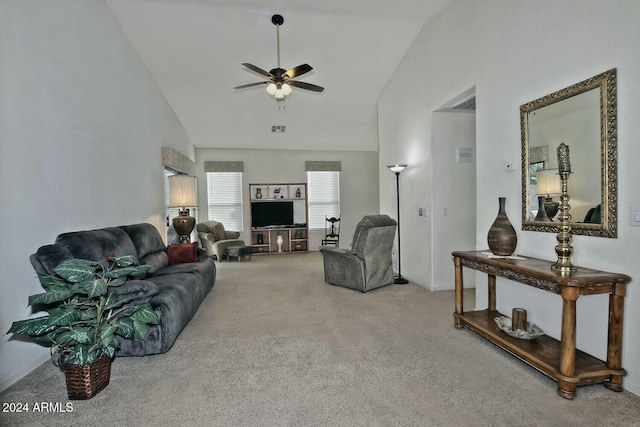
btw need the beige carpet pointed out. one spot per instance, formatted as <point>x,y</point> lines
<point>273,345</point>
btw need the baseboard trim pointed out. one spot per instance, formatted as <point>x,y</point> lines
<point>23,372</point>
<point>632,389</point>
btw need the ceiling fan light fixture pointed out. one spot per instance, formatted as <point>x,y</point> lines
<point>279,94</point>
<point>286,89</point>
<point>271,89</point>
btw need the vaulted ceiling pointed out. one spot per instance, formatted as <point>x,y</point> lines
<point>193,50</point>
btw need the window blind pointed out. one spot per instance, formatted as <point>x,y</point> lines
<point>224,196</point>
<point>323,197</point>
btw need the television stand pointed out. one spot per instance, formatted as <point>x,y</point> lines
<point>294,235</point>
<point>293,240</point>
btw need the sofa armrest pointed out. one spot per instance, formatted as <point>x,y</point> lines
<point>137,291</point>
<point>206,236</point>
<point>231,234</point>
<point>342,267</point>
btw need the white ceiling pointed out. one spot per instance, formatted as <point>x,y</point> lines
<point>194,50</point>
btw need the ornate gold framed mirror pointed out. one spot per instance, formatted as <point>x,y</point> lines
<point>583,116</point>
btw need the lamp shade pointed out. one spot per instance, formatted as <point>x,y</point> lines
<point>182,191</point>
<point>548,182</point>
<point>396,168</point>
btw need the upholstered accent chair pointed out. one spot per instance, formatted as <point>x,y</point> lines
<point>367,264</point>
<point>215,239</point>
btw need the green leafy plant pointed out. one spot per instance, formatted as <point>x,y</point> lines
<point>85,315</point>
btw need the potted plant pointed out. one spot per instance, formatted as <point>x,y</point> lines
<point>85,319</point>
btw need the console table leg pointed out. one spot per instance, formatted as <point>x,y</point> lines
<point>459,289</point>
<point>614,348</point>
<point>568,342</point>
<point>491,285</point>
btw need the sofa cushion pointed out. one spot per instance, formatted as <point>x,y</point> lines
<point>215,228</point>
<point>157,261</point>
<point>201,268</point>
<point>48,257</point>
<point>145,237</point>
<point>181,253</point>
<point>362,230</point>
<point>94,245</point>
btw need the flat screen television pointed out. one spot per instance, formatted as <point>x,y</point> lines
<point>266,214</point>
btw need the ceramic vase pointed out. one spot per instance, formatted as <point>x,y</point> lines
<point>502,236</point>
<point>258,193</point>
<point>279,241</point>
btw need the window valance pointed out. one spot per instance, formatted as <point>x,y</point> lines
<point>323,166</point>
<point>223,166</point>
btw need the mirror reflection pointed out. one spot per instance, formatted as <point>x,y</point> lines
<point>583,117</point>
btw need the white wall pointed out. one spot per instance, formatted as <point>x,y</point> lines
<point>515,52</point>
<point>81,127</point>
<point>358,181</point>
<point>454,195</point>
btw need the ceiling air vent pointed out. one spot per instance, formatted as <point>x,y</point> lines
<point>277,129</point>
<point>468,103</point>
<point>465,102</point>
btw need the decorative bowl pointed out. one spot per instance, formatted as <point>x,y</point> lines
<point>532,331</point>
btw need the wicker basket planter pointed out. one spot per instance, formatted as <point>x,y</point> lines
<point>84,382</point>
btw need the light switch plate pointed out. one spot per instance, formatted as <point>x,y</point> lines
<point>635,216</point>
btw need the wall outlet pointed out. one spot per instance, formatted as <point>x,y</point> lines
<point>510,166</point>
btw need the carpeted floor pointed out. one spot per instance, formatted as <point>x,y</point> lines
<point>273,345</point>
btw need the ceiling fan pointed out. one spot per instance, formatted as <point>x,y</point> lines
<point>279,83</point>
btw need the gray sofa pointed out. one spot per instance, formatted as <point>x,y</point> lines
<point>367,265</point>
<point>215,239</point>
<point>175,291</point>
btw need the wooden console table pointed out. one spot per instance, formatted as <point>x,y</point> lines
<point>560,360</point>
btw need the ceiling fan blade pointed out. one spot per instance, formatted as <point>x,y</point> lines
<point>252,84</point>
<point>257,69</point>
<point>298,71</point>
<point>307,86</point>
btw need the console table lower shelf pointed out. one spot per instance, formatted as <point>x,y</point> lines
<point>542,353</point>
<point>560,360</point>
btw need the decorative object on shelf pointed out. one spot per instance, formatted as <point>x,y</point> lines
<point>502,237</point>
<point>298,193</point>
<point>530,333</point>
<point>548,185</point>
<point>279,242</point>
<point>182,194</point>
<point>258,193</point>
<point>298,247</point>
<point>297,234</point>
<point>86,315</point>
<point>397,168</point>
<point>260,238</point>
<point>563,248</point>
<point>519,319</point>
<point>276,193</point>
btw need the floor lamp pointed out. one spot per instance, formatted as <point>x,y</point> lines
<point>182,194</point>
<point>397,169</point>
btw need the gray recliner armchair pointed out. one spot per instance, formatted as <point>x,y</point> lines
<point>215,239</point>
<point>367,265</point>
